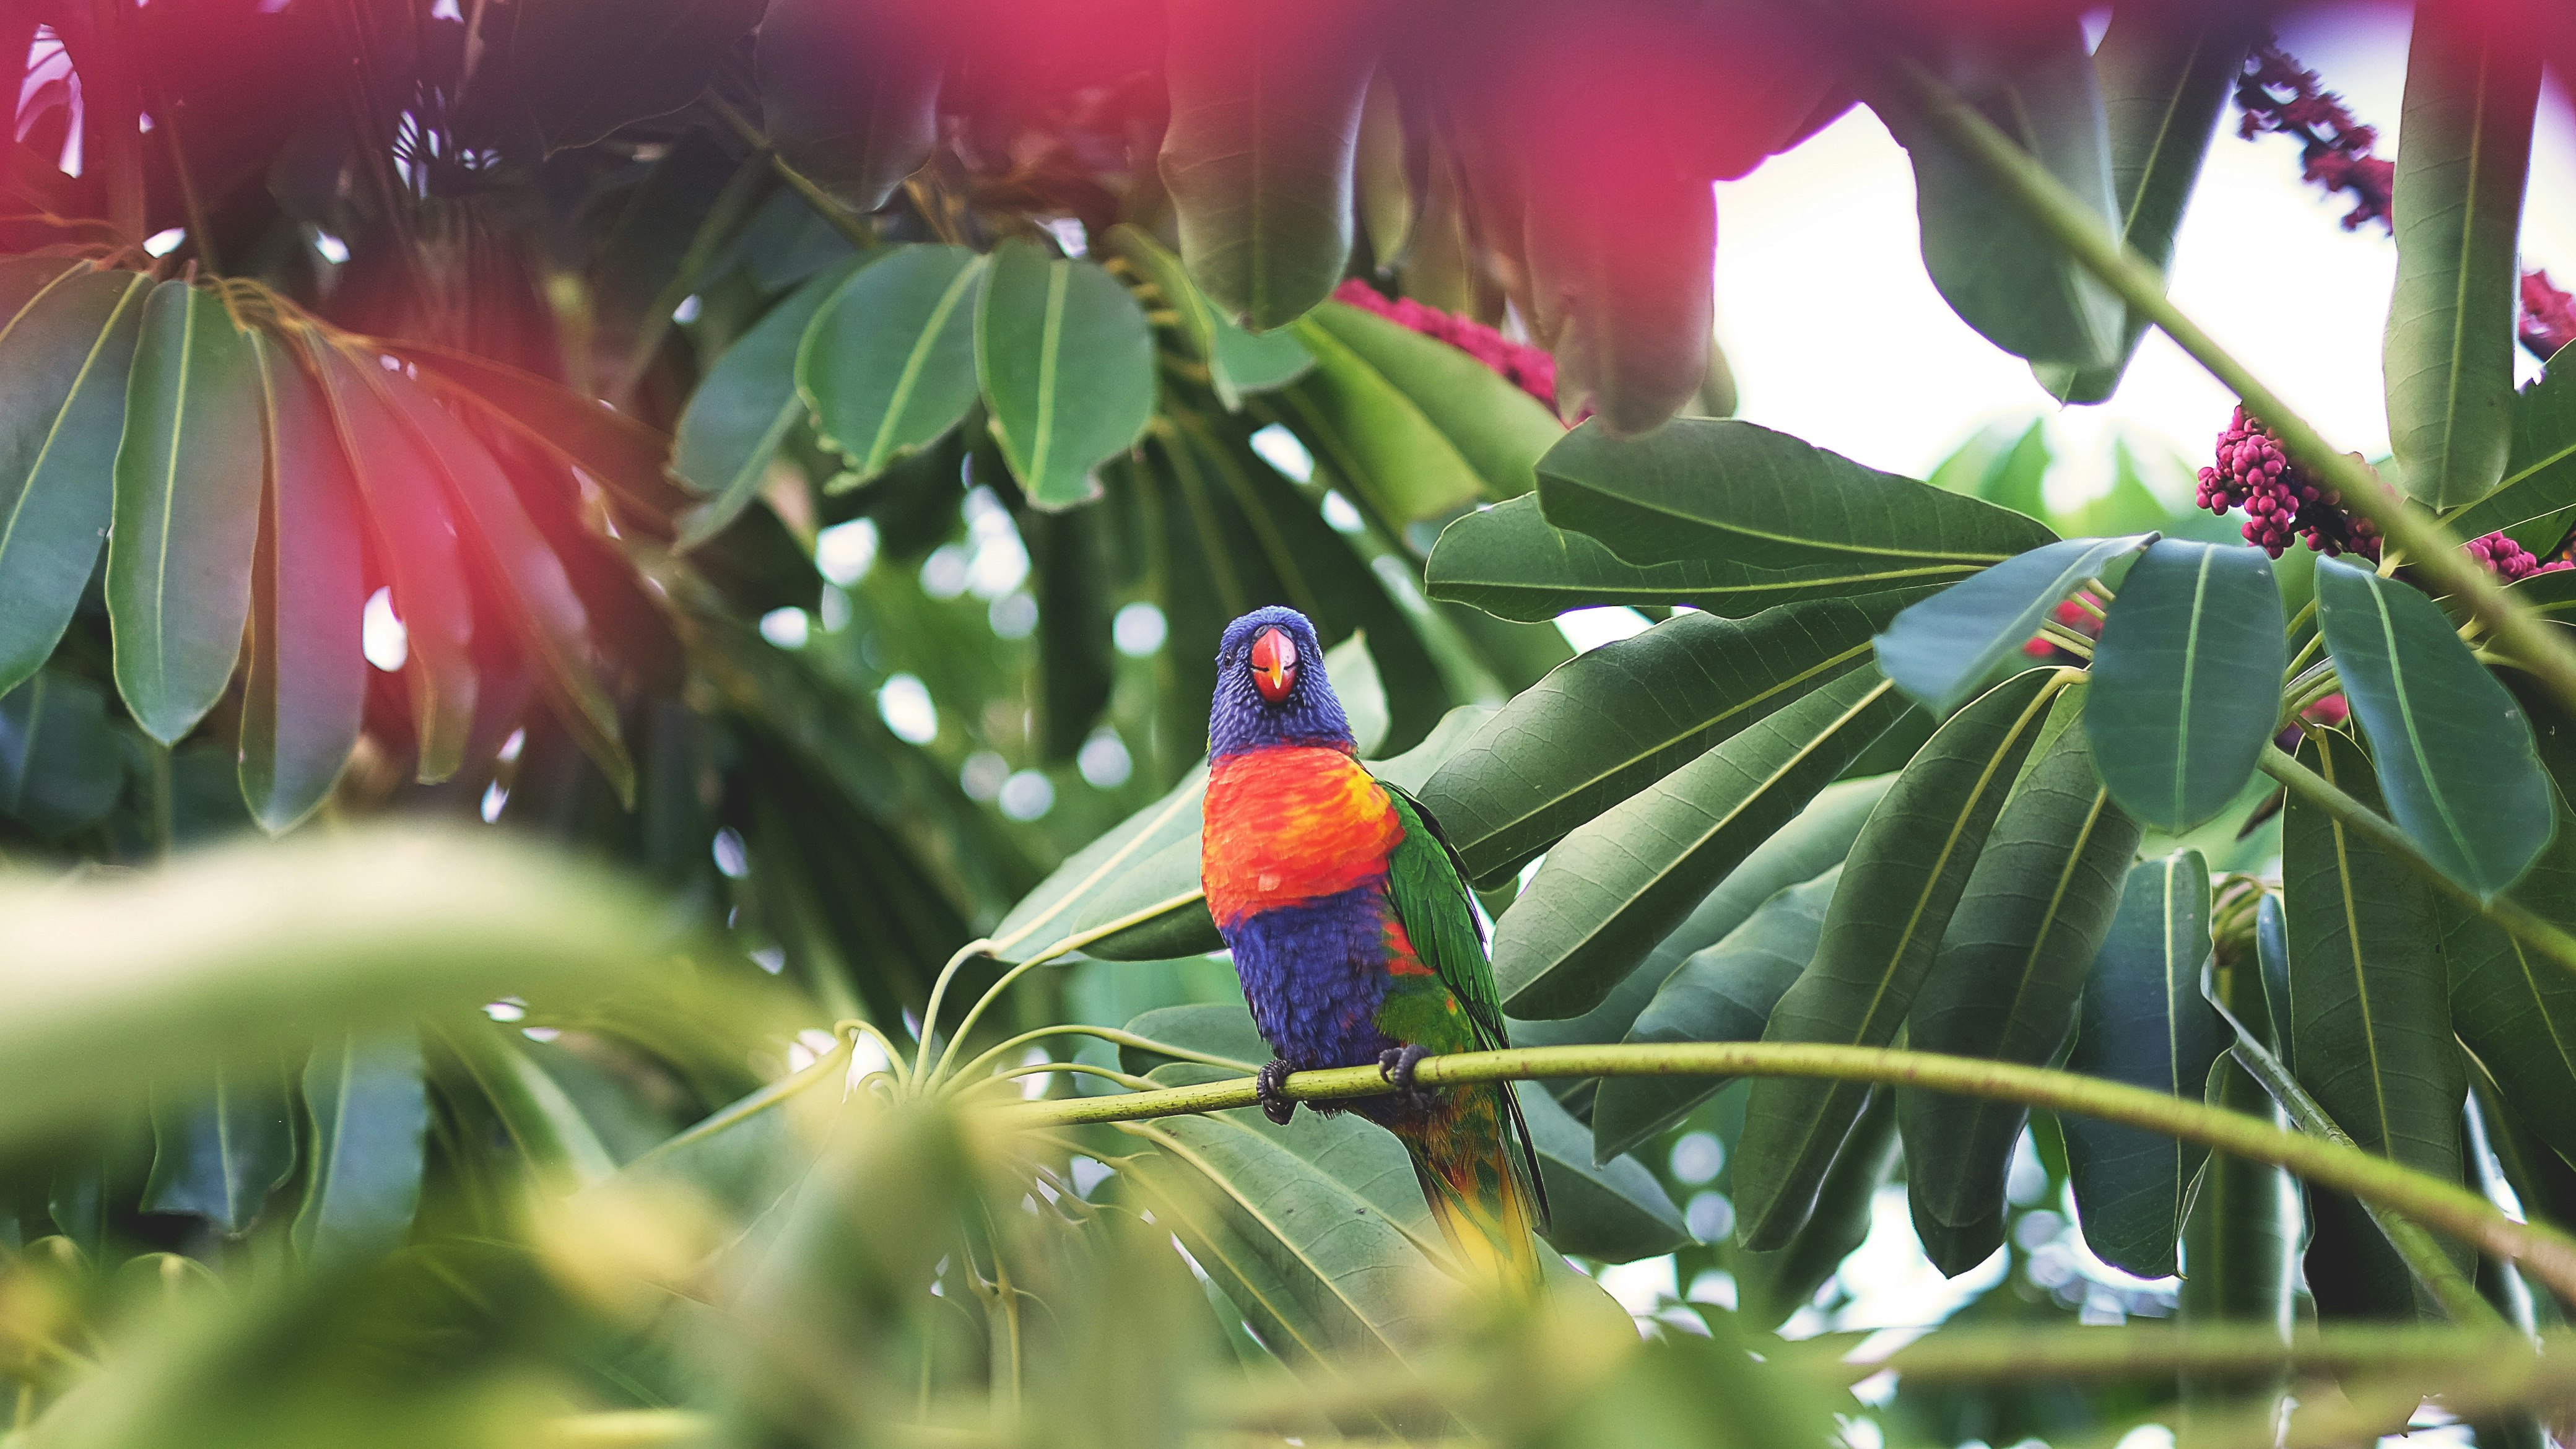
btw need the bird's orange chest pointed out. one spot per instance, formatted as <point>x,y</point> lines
<point>1291,824</point>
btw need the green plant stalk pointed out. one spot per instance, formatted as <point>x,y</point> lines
<point>1065,947</point>
<point>2510,916</point>
<point>2427,544</point>
<point>632,1429</point>
<point>845,221</point>
<point>1973,1355</point>
<point>2423,1256</point>
<point>2549,1254</point>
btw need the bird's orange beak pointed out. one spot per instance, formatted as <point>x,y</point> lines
<point>1274,664</point>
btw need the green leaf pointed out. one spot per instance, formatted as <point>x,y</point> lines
<point>1990,261</point>
<point>1066,360</point>
<point>2464,151</point>
<point>583,68</point>
<point>248,950</point>
<point>2540,469</point>
<point>218,1151</point>
<point>2145,1023</point>
<point>2165,74</point>
<point>2004,985</point>
<point>1616,719</point>
<point>2371,1019</point>
<point>2453,749</point>
<point>66,343</point>
<point>849,93</point>
<point>2272,961</point>
<point>187,510</point>
<point>1618,248</point>
<point>1509,561</point>
<point>743,409</point>
<point>523,578</point>
<point>60,769</point>
<point>304,686</point>
<point>1723,992</point>
<point>624,456</point>
<point>1265,120</point>
<point>1622,881</point>
<point>1238,362</point>
<point>1613,1211</point>
<point>1077,618</point>
<point>2515,1011</point>
<point>369,1113</point>
<point>1768,511</point>
<point>2241,1238</point>
<point>888,364</point>
<point>1356,684</point>
<point>1153,855</point>
<point>2186,682</point>
<point>1412,425</point>
<point>413,531</point>
<point>1905,876</point>
<point>1772,1285</point>
<point>1942,649</point>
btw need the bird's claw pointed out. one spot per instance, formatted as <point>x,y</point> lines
<point>1396,1064</point>
<point>1266,1090</point>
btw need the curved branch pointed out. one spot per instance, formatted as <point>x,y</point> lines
<point>2446,1206</point>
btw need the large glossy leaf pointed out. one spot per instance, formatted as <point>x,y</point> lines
<point>66,343</point>
<point>1762,509</point>
<point>586,67</point>
<point>1622,881</point>
<point>2540,469</point>
<point>1995,265</point>
<point>1154,850</point>
<point>888,364</point>
<point>219,1150</point>
<point>1614,1210</point>
<point>60,768</point>
<point>2453,749</point>
<point>304,690</point>
<point>848,93</point>
<point>1238,362</point>
<point>2371,1018</point>
<point>2165,74</point>
<point>2464,151</point>
<point>2005,985</point>
<point>1265,123</point>
<point>2241,1239</point>
<point>187,510</point>
<point>624,456</point>
<point>2515,1010</point>
<point>522,575</point>
<point>1904,877</point>
<point>2186,682</point>
<point>2145,1023</point>
<point>2272,967</point>
<point>411,525</point>
<point>1810,844</point>
<point>743,409</point>
<point>1615,719</point>
<point>1723,992</point>
<point>1509,561</point>
<point>1066,360</point>
<point>1942,649</point>
<point>1774,1284</point>
<point>369,1112</point>
<point>241,951</point>
<point>1413,425</point>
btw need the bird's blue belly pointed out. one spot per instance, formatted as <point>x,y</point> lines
<point>1314,975</point>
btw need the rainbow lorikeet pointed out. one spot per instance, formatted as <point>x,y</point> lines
<point>1355,936</point>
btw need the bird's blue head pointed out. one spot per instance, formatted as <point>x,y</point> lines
<point>1271,689</point>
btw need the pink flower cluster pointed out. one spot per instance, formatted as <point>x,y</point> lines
<point>2507,559</point>
<point>1527,368</point>
<point>2280,501</point>
<point>2278,94</point>
<point>2548,317</point>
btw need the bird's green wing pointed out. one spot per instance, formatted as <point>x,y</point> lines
<point>1429,889</point>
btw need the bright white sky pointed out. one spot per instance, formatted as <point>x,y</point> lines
<point>1837,336</point>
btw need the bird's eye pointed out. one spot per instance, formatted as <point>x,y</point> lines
<point>1274,664</point>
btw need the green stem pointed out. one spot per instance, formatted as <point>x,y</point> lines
<point>2510,916</point>
<point>845,221</point>
<point>825,1068</point>
<point>1973,1355</point>
<point>631,1429</point>
<point>2141,285</point>
<point>1065,947</point>
<point>1114,1037</point>
<point>2548,1254</point>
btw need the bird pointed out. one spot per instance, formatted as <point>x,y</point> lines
<point>1356,939</point>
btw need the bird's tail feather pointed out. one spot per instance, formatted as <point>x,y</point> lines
<point>1477,1181</point>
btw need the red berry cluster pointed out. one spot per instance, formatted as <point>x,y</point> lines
<point>2548,317</point>
<point>2507,559</point>
<point>2278,94</point>
<point>2074,616</point>
<point>2280,500</point>
<point>1528,368</point>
